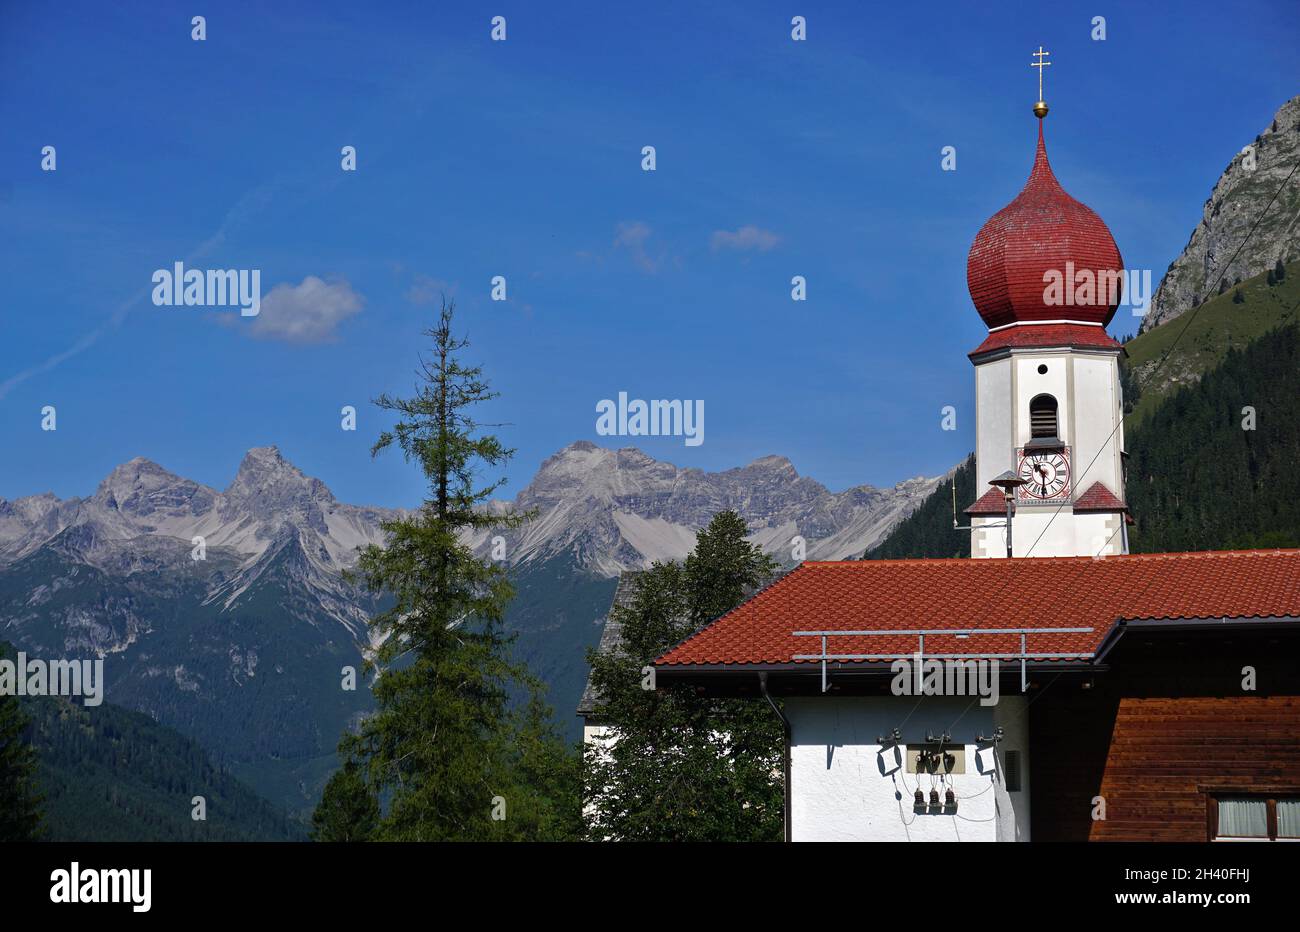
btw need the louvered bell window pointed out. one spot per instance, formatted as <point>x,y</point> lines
<point>1042,419</point>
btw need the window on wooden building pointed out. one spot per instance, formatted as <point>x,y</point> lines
<point>1254,818</point>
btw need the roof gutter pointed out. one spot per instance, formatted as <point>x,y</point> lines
<point>1190,624</point>
<point>785,753</point>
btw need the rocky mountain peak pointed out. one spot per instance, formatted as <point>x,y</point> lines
<point>772,461</point>
<point>142,488</point>
<point>266,479</point>
<point>772,467</point>
<point>1238,201</point>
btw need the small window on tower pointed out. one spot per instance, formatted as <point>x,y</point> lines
<point>1042,418</point>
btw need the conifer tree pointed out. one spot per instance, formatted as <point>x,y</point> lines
<point>347,811</point>
<point>445,751</point>
<point>20,816</point>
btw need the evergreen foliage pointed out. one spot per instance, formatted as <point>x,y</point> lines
<point>1199,480</point>
<point>110,774</point>
<point>20,814</point>
<point>447,754</point>
<point>684,767</point>
<point>348,810</point>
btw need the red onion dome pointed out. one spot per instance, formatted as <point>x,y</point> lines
<point>1042,231</point>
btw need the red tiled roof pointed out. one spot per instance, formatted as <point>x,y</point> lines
<point>992,502</point>
<point>1098,498</point>
<point>1060,592</point>
<point>1026,335</point>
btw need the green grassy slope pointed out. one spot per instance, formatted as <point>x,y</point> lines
<point>1219,325</point>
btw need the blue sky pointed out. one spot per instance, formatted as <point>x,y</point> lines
<point>523,158</point>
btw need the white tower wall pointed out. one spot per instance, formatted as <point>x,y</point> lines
<point>1086,387</point>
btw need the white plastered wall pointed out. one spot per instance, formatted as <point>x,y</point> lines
<point>846,786</point>
<point>1089,414</point>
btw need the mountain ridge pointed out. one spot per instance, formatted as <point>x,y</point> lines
<point>244,649</point>
<point>621,509</point>
<point>1226,232</point>
<point>587,497</point>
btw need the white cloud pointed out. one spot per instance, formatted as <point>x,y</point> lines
<point>746,238</point>
<point>306,313</point>
<point>632,236</point>
<point>430,291</point>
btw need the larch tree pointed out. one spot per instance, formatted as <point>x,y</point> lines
<point>452,751</point>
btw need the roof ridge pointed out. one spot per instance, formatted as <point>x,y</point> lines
<point>1183,554</point>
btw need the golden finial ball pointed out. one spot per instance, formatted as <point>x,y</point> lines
<point>1040,109</point>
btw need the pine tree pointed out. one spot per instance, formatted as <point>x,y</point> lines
<point>20,815</point>
<point>683,767</point>
<point>443,748</point>
<point>347,811</point>
<point>1279,270</point>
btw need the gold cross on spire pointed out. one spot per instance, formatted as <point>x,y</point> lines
<point>1040,108</point>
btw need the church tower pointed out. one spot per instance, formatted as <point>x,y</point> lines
<point>1046,277</point>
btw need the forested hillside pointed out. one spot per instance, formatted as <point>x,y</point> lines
<point>109,774</point>
<point>1200,479</point>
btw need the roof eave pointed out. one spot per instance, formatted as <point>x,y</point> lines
<point>1169,625</point>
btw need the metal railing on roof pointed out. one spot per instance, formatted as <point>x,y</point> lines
<point>1023,655</point>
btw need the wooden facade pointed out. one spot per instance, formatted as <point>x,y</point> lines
<point>1163,730</point>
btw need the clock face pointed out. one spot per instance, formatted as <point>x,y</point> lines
<point>1046,475</point>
